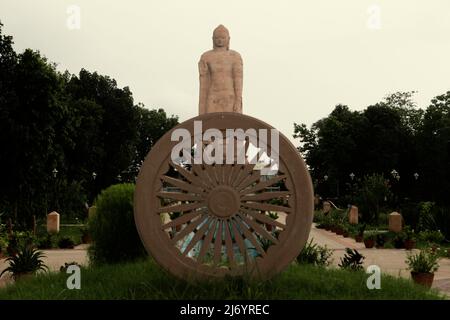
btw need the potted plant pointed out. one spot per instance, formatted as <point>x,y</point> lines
<point>369,240</point>
<point>423,265</point>
<point>26,262</point>
<point>380,240</point>
<point>399,240</point>
<point>273,216</point>
<point>410,239</point>
<point>346,231</point>
<point>360,235</point>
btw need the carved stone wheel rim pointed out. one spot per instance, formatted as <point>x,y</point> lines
<point>223,223</point>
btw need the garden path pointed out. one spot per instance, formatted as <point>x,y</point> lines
<point>390,261</point>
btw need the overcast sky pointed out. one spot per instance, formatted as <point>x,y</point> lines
<point>301,58</point>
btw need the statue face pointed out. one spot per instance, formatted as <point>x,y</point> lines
<point>220,39</point>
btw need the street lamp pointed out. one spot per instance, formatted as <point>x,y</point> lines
<point>55,172</point>
<point>119,177</point>
<point>395,174</point>
<point>416,176</point>
<point>325,177</point>
<point>94,175</point>
<point>352,176</point>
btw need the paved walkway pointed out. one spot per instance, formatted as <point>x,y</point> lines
<point>391,261</point>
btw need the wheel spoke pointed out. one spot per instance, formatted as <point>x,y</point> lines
<point>229,243</point>
<point>198,169</point>
<point>251,237</point>
<point>183,219</point>
<point>181,207</point>
<point>188,229</point>
<point>198,236</point>
<point>189,176</point>
<point>239,239</point>
<point>179,196</point>
<point>266,196</point>
<point>255,226</point>
<point>263,184</point>
<point>209,171</point>
<point>266,207</point>
<point>253,177</point>
<point>218,244</point>
<point>263,218</point>
<point>207,242</point>
<point>182,185</point>
<point>244,172</point>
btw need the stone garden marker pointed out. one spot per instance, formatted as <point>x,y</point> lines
<point>202,220</point>
<point>53,222</point>
<point>395,222</point>
<point>353,215</point>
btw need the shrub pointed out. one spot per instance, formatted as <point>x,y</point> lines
<point>66,243</point>
<point>352,260</point>
<point>28,260</point>
<point>431,236</point>
<point>45,241</point>
<point>425,261</point>
<point>315,254</point>
<point>114,235</point>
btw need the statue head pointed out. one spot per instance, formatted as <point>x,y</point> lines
<point>221,37</point>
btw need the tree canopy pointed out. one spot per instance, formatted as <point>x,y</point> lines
<point>65,137</point>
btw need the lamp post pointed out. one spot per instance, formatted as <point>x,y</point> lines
<point>55,189</point>
<point>396,176</point>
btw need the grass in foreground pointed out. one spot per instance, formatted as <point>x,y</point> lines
<point>145,280</point>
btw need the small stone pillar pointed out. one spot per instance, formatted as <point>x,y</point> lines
<point>326,207</point>
<point>395,222</point>
<point>53,222</point>
<point>353,215</point>
<point>91,211</point>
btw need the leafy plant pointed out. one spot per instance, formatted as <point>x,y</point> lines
<point>315,254</point>
<point>27,261</point>
<point>409,234</point>
<point>370,236</point>
<point>380,240</point>
<point>66,243</point>
<point>352,260</point>
<point>425,261</point>
<point>45,241</point>
<point>361,229</point>
<point>273,215</point>
<point>431,236</point>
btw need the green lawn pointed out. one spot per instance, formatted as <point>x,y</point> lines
<point>145,280</point>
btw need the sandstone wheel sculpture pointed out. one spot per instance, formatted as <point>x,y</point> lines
<point>214,220</point>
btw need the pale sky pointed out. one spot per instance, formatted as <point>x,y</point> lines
<point>301,58</point>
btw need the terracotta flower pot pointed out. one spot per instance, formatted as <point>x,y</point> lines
<point>369,243</point>
<point>269,227</point>
<point>359,238</point>
<point>86,238</point>
<point>424,279</point>
<point>409,244</point>
<point>339,232</point>
<point>345,234</point>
